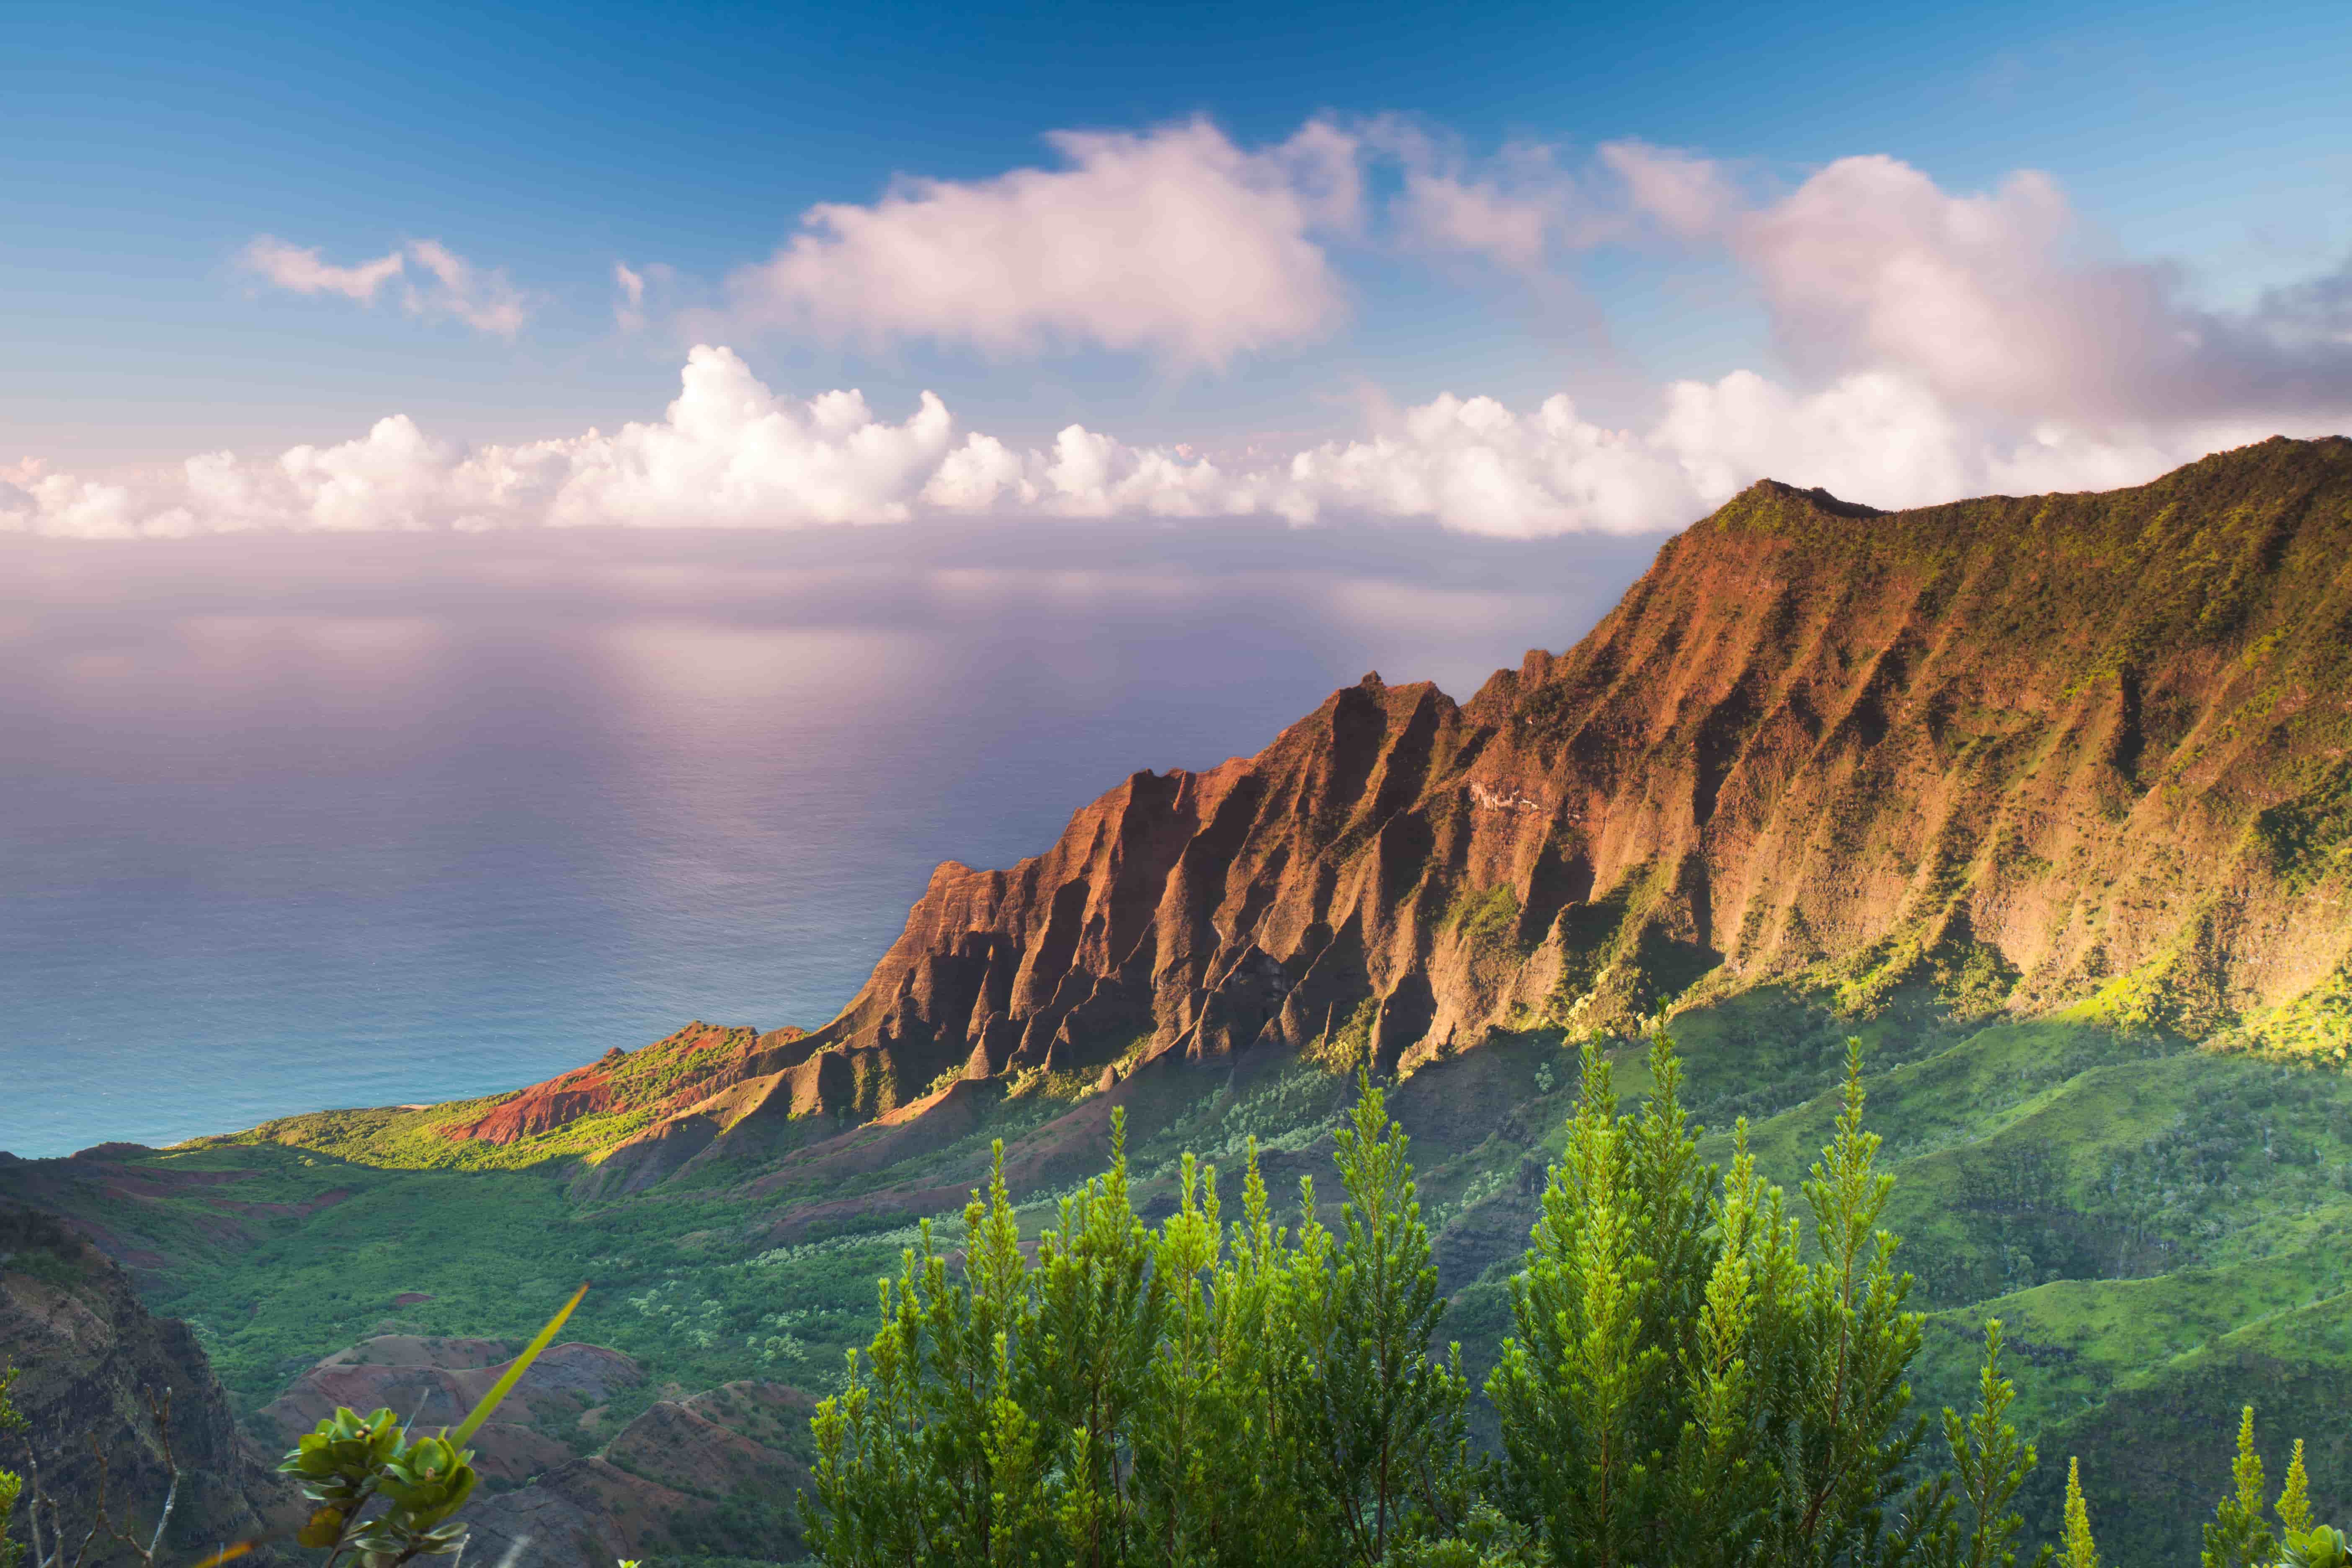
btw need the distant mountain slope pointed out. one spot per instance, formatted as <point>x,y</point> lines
<point>2065,751</point>
<point>2060,749</point>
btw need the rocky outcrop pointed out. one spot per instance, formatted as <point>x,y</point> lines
<point>2024,749</point>
<point>90,1356</point>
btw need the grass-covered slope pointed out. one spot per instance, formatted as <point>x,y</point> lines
<point>2161,1226</point>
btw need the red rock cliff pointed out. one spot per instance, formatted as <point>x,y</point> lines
<point>2046,745</point>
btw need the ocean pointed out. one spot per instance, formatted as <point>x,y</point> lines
<point>289,823</point>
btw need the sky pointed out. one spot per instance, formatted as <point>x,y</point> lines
<point>1508,270</point>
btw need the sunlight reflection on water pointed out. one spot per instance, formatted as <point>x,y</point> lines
<point>289,823</point>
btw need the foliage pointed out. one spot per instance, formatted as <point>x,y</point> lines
<point>2081,1550</point>
<point>1486,921</point>
<point>2238,1537</point>
<point>1682,1387</point>
<point>1348,1049</point>
<point>1698,1378</point>
<point>1381,1421</point>
<point>2316,1027</point>
<point>2155,1225</point>
<point>1184,1395</point>
<point>2309,839</point>
<point>12,1486</point>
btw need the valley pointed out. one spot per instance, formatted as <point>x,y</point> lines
<point>2045,801</point>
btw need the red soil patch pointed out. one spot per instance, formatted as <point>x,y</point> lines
<point>541,1108</point>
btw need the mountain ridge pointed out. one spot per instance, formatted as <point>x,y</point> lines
<point>1800,693</point>
<point>1994,742</point>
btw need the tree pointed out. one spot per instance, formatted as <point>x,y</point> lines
<point>1682,1387</point>
<point>1989,1466</point>
<point>1380,1420</point>
<point>2082,1552</point>
<point>1697,1378</point>
<point>2236,1537</point>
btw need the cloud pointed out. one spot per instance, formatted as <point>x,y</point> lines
<point>450,287</point>
<point>1942,345</point>
<point>1887,439</point>
<point>730,452</point>
<point>485,302</point>
<point>1999,305</point>
<point>630,313</point>
<point>1687,194</point>
<point>302,270</point>
<point>1519,209</point>
<point>1175,243</point>
<point>1445,211</point>
<point>1998,302</point>
<point>1474,466</point>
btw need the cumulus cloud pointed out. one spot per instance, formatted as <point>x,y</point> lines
<point>1887,439</point>
<point>1998,302</point>
<point>1943,344</point>
<point>1175,242</point>
<point>731,452</point>
<point>442,286</point>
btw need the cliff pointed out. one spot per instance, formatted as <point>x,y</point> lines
<point>2049,750</point>
<point>2062,751</point>
<point>89,1355</point>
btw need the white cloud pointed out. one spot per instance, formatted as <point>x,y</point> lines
<point>730,452</point>
<point>1886,438</point>
<point>630,313</point>
<point>1474,466</point>
<point>302,269</point>
<point>485,302</point>
<point>449,286</point>
<point>1998,302</point>
<point>1686,193</point>
<point>1943,345</point>
<point>1174,242</point>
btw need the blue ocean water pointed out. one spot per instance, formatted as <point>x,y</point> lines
<point>295,823</point>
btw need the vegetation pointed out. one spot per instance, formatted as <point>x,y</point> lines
<point>1137,1394</point>
<point>1695,1378</point>
<point>12,1485</point>
<point>2154,1224</point>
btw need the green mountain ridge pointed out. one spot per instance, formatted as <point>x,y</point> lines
<point>2045,800</point>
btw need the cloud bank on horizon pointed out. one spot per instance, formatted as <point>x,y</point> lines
<point>1936,345</point>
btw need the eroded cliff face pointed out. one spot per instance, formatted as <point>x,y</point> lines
<point>89,1355</point>
<point>2039,749</point>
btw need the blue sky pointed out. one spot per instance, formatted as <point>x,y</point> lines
<point>2202,154</point>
